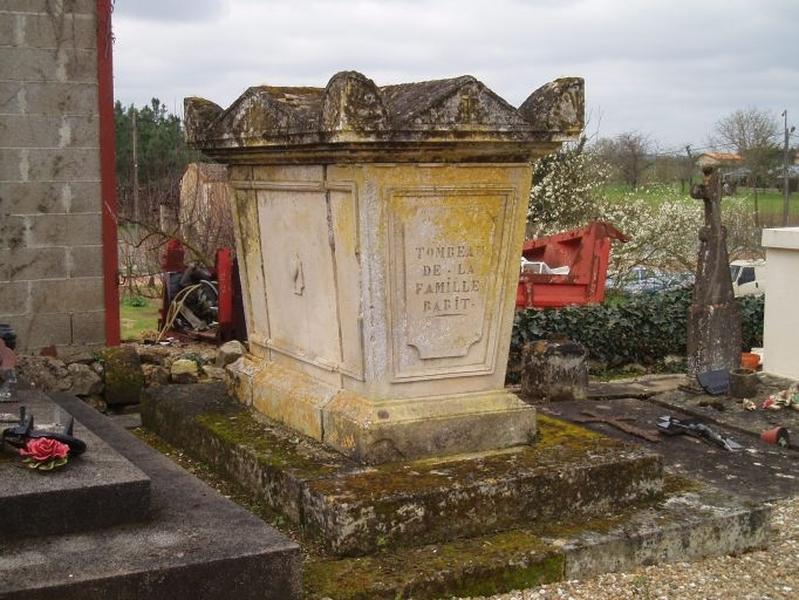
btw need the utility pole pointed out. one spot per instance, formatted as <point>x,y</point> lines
<point>785,187</point>
<point>135,170</point>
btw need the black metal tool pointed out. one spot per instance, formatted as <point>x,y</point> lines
<point>668,425</point>
<point>19,434</point>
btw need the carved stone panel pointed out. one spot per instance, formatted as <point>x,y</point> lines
<point>447,254</point>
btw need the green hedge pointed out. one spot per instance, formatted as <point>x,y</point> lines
<point>640,329</point>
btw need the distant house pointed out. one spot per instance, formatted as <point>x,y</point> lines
<point>205,215</point>
<point>718,159</point>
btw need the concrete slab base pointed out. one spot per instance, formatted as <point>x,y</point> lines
<point>355,510</point>
<point>388,430</point>
<point>688,523</point>
<point>196,544</point>
<point>99,489</point>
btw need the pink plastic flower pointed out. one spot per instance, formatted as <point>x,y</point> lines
<point>44,449</point>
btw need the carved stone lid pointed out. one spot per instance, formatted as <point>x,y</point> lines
<point>353,120</point>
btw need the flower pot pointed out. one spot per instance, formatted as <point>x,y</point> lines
<point>778,436</point>
<point>750,360</point>
<point>743,383</point>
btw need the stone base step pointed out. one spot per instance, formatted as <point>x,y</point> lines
<point>690,522</point>
<point>569,472</point>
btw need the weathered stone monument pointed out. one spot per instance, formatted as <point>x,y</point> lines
<point>379,232</point>
<point>714,322</point>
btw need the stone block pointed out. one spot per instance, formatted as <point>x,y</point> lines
<point>37,263</point>
<point>67,295</point>
<point>64,230</point>
<point>12,96</point>
<point>85,196</point>
<point>33,198</point>
<point>184,370</point>
<point>14,232</point>
<point>56,31</point>
<point>229,352</point>
<point>47,230</point>
<point>85,382</point>
<point>37,331</point>
<point>4,266</point>
<point>81,131</point>
<point>14,298</point>
<point>54,98</point>
<point>27,131</point>
<point>10,29</point>
<point>63,165</point>
<point>11,164</point>
<point>99,489</point>
<point>124,378</point>
<point>88,327</point>
<point>85,261</point>
<point>553,371</point>
<point>37,64</point>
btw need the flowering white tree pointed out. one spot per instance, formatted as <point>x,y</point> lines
<point>565,190</point>
<point>663,224</point>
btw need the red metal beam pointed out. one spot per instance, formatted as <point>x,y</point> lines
<point>108,179</point>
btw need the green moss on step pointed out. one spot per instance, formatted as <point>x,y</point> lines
<point>242,429</point>
<point>556,441</point>
<point>479,566</point>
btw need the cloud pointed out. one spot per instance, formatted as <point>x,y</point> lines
<point>168,10</point>
<point>670,69</point>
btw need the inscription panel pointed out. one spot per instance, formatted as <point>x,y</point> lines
<point>446,252</point>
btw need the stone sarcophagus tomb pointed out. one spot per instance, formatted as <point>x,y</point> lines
<point>379,231</point>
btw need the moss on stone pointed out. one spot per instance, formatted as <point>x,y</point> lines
<point>123,375</point>
<point>475,567</point>
<point>556,441</point>
<point>242,429</point>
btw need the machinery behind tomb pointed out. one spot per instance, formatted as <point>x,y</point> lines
<point>566,268</point>
<point>201,303</point>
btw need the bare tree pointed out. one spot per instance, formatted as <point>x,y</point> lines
<point>629,153</point>
<point>753,134</point>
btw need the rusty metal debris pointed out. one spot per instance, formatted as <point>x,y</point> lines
<point>620,424</point>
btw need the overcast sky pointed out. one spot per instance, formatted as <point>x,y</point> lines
<point>668,68</point>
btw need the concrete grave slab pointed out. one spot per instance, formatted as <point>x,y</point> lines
<point>99,489</point>
<point>196,543</point>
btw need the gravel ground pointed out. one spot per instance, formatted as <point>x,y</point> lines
<point>765,575</point>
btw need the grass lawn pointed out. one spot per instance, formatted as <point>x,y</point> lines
<point>136,319</point>
<point>769,201</point>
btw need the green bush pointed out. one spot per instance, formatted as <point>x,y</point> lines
<point>135,301</point>
<point>641,329</point>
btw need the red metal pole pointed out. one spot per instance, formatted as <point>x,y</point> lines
<point>224,279</point>
<point>108,179</point>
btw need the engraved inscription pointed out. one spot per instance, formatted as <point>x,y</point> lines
<point>444,279</point>
<point>448,254</point>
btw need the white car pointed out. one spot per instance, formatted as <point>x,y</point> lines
<point>747,277</point>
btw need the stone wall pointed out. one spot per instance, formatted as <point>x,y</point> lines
<point>51,284</point>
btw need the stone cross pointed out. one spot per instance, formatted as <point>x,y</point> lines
<point>714,321</point>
